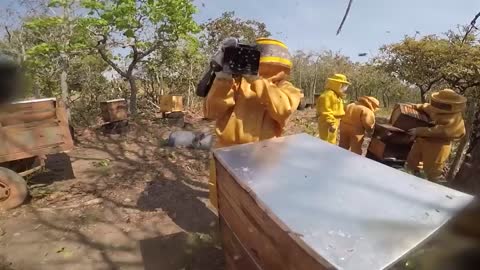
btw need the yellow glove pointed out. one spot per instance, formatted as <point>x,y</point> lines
<point>259,85</point>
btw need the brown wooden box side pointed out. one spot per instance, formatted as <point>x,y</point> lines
<point>236,256</point>
<point>170,103</point>
<point>390,134</point>
<point>405,117</point>
<point>114,111</point>
<point>377,148</point>
<point>382,150</point>
<point>265,238</point>
<point>32,105</point>
<point>26,112</point>
<point>36,138</point>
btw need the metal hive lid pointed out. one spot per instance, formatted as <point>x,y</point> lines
<point>353,212</point>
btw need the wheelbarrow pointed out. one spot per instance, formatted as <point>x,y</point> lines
<point>13,175</point>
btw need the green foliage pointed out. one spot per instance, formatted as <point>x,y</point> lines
<point>433,62</point>
<point>370,80</point>
<point>415,61</point>
<point>227,25</point>
<point>310,72</point>
<point>142,27</point>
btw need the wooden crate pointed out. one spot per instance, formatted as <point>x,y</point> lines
<point>169,103</point>
<point>33,128</point>
<point>114,110</point>
<point>406,117</point>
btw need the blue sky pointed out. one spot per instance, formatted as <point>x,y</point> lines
<point>312,24</point>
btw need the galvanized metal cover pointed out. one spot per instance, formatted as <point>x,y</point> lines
<point>354,212</point>
<point>114,100</point>
<point>34,100</point>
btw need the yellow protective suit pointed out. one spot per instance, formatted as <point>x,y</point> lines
<point>330,108</point>
<point>251,110</point>
<point>359,119</point>
<point>433,145</point>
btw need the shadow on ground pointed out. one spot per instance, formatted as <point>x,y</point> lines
<point>134,205</point>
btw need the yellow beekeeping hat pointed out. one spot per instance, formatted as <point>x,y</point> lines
<point>447,100</point>
<point>339,78</point>
<point>273,51</point>
<point>370,102</point>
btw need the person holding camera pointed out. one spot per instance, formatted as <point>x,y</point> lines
<point>251,108</point>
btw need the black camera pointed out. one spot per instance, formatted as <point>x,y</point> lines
<point>239,59</point>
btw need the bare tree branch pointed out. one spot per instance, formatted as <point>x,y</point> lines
<point>472,26</point>
<point>9,35</point>
<point>345,16</point>
<point>100,49</point>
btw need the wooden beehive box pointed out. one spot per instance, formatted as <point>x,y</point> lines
<point>33,127</point>
<point>169,103</point>
<point>391,134</point>
<point>300,203</point>
<point>114,110</point>
<point>389,151</point>
<point>390,143</point>
<point>406,117</point>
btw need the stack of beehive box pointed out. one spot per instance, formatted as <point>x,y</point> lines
<point>391,141</point>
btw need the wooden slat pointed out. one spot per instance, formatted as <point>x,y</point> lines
<point>236,256</point>
<point>21,117</point>
<point>268,241</point>
<point>32,105</point>
<point>29,126</point>
<point>36,138</point>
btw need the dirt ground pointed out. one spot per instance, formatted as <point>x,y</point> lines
<point>117,202</point>
<point>121,202</point>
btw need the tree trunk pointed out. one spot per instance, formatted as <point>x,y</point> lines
<point>422,95</point>
<point>467,178</point>
<point>36,89</point>
<point>463,143</point>
<point>385,100</point>
<point>133,95</point>
<point>64,88</point>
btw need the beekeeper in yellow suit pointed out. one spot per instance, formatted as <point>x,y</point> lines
<point>250,109</point>
<point>433,144</point>
<point>330,107</point>
<point>359,120</point>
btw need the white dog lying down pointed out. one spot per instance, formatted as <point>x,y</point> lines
<point>197,140</point>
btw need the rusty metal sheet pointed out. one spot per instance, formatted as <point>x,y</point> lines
<point>353,212</point>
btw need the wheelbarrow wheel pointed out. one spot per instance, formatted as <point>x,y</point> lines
<point>13,189</point>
